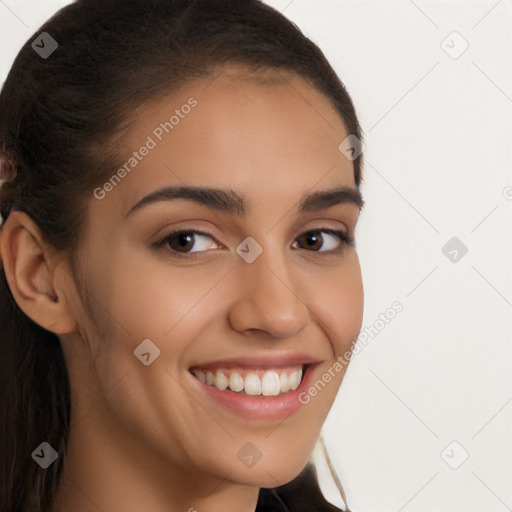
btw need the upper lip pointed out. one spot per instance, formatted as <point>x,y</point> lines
<point>262,360</point>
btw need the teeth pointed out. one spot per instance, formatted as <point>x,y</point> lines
<point>294,379</point>
<point>270,385</point>
<point>255,383</point>
<point>285,387</point>
<point>221,381</point>
<point>236,383</point>
<point>252,384</point>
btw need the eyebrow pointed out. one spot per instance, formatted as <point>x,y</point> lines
<point>233,203</point>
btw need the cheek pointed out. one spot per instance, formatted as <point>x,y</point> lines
<point>339,305</point>
<point>149,300</point>
<point>133,301</point>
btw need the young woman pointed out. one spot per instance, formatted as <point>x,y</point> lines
<point>180,290</point>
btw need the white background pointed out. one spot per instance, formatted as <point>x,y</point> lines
<point>438,164</point>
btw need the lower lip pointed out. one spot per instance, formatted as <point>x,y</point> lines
<point>269,408</point>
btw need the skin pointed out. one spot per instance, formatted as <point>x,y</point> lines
<point>144,437</point>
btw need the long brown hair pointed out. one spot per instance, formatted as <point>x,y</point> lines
<point>61,122</point>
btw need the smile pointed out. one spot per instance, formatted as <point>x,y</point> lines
<point>253,382</point>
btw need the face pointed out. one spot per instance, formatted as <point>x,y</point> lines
<point>210,312</point>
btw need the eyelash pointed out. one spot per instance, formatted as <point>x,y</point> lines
<point>346,241</point>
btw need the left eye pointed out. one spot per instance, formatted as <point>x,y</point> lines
<point>330,240</point>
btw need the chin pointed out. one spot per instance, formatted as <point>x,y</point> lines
<point>271,474</point>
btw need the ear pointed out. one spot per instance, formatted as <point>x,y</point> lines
<point>31,267</point>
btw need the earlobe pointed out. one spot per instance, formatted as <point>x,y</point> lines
<point>30,267</point>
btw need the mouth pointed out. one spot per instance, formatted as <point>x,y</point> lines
<point>263,389</point>
<point>252,381</point>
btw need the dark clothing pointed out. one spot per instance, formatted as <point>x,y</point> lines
<point>269,501</point>
<point>302,494</point>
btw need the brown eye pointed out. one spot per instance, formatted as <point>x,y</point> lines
<point>185,243</point>
<point>181,242</point>
<point>324,240</point>
<point>311,240</point>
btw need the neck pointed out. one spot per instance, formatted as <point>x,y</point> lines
<point>108,469</point>
<point>111,473</point>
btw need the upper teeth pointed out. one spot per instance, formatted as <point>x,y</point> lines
<point>261,382</point>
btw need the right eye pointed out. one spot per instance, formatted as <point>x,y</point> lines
<point>181,243</point>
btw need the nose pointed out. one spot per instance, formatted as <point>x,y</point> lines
<point>267,298</point>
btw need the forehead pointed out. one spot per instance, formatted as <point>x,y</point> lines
<point>244,130</point>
